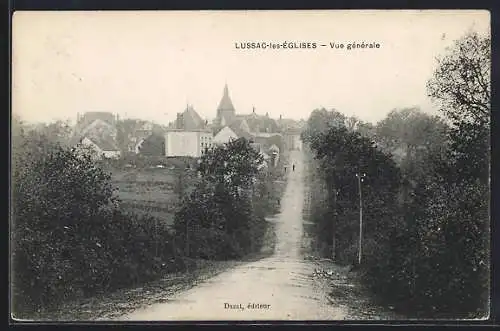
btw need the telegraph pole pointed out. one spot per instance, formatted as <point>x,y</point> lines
<point>360,178</point>
<point>335,197</point>
<point>183,176</point>
<point>156,237</point>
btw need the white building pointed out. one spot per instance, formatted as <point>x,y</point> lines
<point>187,143</point>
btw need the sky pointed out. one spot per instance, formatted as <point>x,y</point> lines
<point>151,64</point>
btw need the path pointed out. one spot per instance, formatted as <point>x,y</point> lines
<point>281,287</point>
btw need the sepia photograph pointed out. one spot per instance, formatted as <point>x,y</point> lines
<point>250,165</point>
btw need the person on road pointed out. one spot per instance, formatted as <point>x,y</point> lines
<point>293,167</point>
<point>285,169</point>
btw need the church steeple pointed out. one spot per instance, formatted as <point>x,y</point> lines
<point>226,108</point>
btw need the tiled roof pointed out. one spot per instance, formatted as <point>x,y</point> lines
<point>89,117</point>
<point>262,124</point>
<point>259,122</point>
<point>104,143</point>
<point>236,127</point>
<point>190,120</point>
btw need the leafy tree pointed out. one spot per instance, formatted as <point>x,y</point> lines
<point>218,219</point>
<point>413,138</point>
<point>410,130</point>
<point>461,86</point>
<point>343,154</point>
<point>58,132</point>
<point>154,145</point>
<point>429,249</point>
<point>125,129</point>
<point>233,164</point>
<point>320,120</point>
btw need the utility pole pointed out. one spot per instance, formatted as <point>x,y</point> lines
<point>155,229</point>
<point>335,199</point>
<point>156,237</point>
<point>183,175</point>
<point>360,178</point>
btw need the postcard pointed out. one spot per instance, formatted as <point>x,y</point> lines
<point>308,165</point>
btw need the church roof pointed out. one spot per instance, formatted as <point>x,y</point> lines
<point>225,102</point>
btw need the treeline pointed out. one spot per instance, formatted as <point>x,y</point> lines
<point>69,239</point>
<point>425,194</point>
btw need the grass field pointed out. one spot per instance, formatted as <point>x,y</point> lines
<point>153,192</point>
<point>156,191</point>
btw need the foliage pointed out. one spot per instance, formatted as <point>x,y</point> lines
<point>219,219</point>
<point>68,239</point>
<point>461,82</point>
<point>343,154</point>
<point>232,165</point>
<point>410,130</point>
<point>427,233</point>
<point>154,145</point>
<point>320,120</point>
<point>125,129</point>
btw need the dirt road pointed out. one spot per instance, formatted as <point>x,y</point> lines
<point>280,287</point>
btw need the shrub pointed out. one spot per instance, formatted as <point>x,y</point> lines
<point>68,237</point>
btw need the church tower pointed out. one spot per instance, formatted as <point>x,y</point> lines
<point>226,109</point>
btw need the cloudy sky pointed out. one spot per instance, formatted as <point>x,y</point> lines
<point>150,64</point>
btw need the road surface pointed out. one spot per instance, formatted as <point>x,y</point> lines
<point>280,287</point>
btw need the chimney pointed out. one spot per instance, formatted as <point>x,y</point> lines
<point>280,117</point>
<point>77,117</point>
<point>267,114</point>
<point>253,110</point>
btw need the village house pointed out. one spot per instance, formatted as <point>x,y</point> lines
<point>97,131</point>
<point>138,136</point>
<point>189,135</point>
<point>292,139</point>
<point>291,130</point>
<point>101,148</point>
